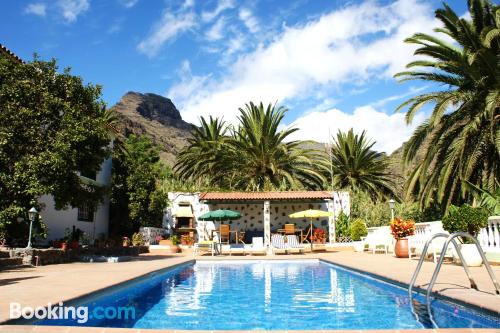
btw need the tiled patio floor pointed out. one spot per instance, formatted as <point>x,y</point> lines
<point>54,283</point>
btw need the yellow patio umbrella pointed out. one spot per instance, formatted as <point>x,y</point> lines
<point>311,214</point>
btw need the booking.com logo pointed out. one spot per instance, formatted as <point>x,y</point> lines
<point>81,313</point>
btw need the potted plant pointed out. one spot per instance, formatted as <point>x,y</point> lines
<point>126,241</point>
<point>467,219</point>
<point>401,229</point>
<point>358,229</point>
<point>76,234</point>
<point>64,244</point>
<point>65,241</point>
<point>318,236</point>
<point>187,240</point>
<point>137,239</point>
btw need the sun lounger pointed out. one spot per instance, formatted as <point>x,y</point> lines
<point>293,244</point>
<point>380,241</point>
<point>206,246</point>
<point>278,244</point>
<point>257,246</point>
<point>237,249</point>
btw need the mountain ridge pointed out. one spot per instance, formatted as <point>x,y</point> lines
<point>156,117</point>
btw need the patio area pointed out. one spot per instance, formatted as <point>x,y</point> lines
<point>262,213</point>
<point>31,286</point>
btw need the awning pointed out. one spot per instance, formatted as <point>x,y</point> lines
<point>184,212</point>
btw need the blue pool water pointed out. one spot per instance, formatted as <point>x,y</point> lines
<point>270,295</point>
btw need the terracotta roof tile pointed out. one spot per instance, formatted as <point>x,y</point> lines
<point>289,195</point>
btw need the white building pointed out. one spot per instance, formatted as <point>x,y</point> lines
<point>94,223</point>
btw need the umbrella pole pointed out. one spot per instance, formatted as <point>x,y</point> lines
<point>311,236</point>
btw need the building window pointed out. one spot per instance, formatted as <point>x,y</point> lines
<point>86,213</point>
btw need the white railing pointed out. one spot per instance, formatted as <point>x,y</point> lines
<point>489,237</point>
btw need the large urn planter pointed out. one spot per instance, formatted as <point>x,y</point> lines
<point>401,248</point>
<point>470,254</point>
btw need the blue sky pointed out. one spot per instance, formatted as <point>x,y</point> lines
<point>330,62</point>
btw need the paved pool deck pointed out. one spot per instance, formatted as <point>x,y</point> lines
<point>38,286</point>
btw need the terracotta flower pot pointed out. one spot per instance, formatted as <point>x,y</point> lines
<point>401,248</point>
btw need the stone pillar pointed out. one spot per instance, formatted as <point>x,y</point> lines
<point>267,223</point>
<point>331,221</point>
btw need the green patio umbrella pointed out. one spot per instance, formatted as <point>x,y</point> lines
<point>220,215</point>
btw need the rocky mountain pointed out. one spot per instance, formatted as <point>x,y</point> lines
<point>156,117</point>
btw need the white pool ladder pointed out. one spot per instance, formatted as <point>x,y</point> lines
<point>449,239</point>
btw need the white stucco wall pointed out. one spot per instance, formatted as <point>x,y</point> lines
<point>58,220</point>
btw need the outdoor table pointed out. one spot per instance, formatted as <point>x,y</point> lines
<point>282,231</point>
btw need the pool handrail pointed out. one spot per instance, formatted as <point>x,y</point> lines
<point>449,239</point>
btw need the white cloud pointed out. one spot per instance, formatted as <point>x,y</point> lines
<point>222,5</point>
<point>235,44</point>
<point>216,31</point>
<point>188,85</point>
<point>323,53</point>
<point>128,3</point>
<point>249,20</point>
<point>71,9</point>
<point>389,131</point>
<point>188,4</point>
<point>38,9</point>
<point>116,26</point>
<point>166,29</point>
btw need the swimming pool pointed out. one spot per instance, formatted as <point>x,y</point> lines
<point>270,295</point>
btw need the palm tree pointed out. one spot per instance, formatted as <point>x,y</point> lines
<point>264,160</point>
<point>111,121</point>
<point>462,133</point>
<point>203,158</point>
<point>254,156</point>
<point>357,167</point>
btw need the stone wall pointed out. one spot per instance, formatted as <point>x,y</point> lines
<point>58,256</point>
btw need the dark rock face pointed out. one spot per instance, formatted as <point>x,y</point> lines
<point>159,108</point>
<point>156,117</point>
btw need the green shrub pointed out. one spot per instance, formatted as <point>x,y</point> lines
<point>175,239</point>
<point>342,226</point>
<point>137,239</point>
<point>465,219</point>
<point>358,229</point>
